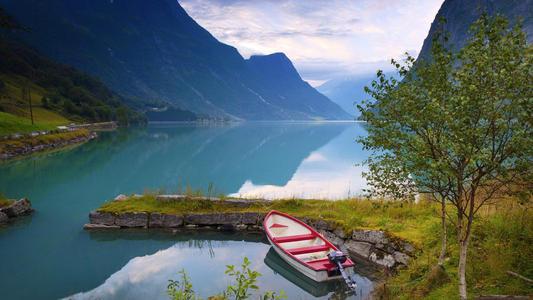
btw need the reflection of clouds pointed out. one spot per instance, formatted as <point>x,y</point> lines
<point>146,277</point>
<point>327,173</point>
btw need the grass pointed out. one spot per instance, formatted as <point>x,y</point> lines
<point>502,240</point>
<point>11,145</point>
<point>12,124</point>
<point>15,117</point>
<point>5,202</point>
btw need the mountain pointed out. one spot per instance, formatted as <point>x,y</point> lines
<point>282,86</point>
<point>153,54</point>
<point>60,93</point>
<point>461,14</point>
<point>349,92</point>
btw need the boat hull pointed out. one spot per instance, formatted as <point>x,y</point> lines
<point>318,276</point>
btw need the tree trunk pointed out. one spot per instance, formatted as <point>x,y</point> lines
<point>462,267</point>
<point>444,236</point>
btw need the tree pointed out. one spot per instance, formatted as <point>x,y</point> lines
<point>458,126</point>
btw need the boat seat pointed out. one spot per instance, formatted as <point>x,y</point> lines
<point>311,249</point>
<point>294,238</point>
<point>321,264</point>
<point>276,225</point>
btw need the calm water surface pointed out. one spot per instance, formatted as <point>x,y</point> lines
<point>49,256</point>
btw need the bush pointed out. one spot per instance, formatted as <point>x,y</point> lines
<point>244,280</point>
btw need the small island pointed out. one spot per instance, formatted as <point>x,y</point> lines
<point>12,209</point>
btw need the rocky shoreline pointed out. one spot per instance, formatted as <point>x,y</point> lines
<point>375,246</point>
<point>19,208</point>
<point>26,150</point>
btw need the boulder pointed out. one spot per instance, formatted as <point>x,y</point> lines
<point>165,220</point>
<point>401,258</point>
<point>99,227</point>
<point>213,218</point>
<point>250,218</point>
<point>360,248</point>
<point>134,219</point>
<point>382,259</point>
<point>120,197</point>
<point>102,218</point>
<point>3,218</point>
<point>18,208</point>
<point>136,196</point>
<point>376,237</point>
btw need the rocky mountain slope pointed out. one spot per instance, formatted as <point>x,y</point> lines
<point>152,53</point>
<point>461,14</point>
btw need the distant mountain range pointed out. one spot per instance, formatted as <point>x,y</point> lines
<point>154,55</point>
<point>348,92</point>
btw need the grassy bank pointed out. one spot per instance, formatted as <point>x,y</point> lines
<point>12,124</point>
<point>502,240</point>
<point>14,144</point>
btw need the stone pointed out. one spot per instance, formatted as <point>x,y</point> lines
<point>165,220</point>
<point>213,218</point>
<point>250,218</point>
<point>171,197</point>
<point>191,226</point>
<point>137,196</point>
<point>401,258</point>
<point>330,237</point>
<point>102,218</point>
<point>134,219</point>
<point>3,218</point>
<point>370,236</point>
<point>360,248</point>
<point>379,258</point>
<point>320,224</point>
<point>339,232</point>
<point>227,227</point>
<point>261,218</point>
<point>18,208</point>
<point>99,227</point>
<point>120,197</point>
<point>241,227</point>
<point>237,202</point>
<point>408,248</point>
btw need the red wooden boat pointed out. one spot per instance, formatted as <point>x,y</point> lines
<point>304,248</point>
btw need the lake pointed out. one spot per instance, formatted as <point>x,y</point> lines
<point>49,256</point>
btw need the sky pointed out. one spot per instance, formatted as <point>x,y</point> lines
<point>325,39</point>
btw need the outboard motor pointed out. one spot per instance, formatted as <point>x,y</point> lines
<point>338,258</point>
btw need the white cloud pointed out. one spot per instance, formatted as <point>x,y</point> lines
<point>325,39</point>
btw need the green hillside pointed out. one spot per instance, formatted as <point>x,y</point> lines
<point>59,94</point>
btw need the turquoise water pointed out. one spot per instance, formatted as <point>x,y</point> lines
<point>49,256</point>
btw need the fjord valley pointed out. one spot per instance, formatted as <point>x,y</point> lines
<point>206,149</point>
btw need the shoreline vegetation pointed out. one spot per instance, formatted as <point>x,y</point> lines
<point>503,239</point>
<point>27,145</point>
